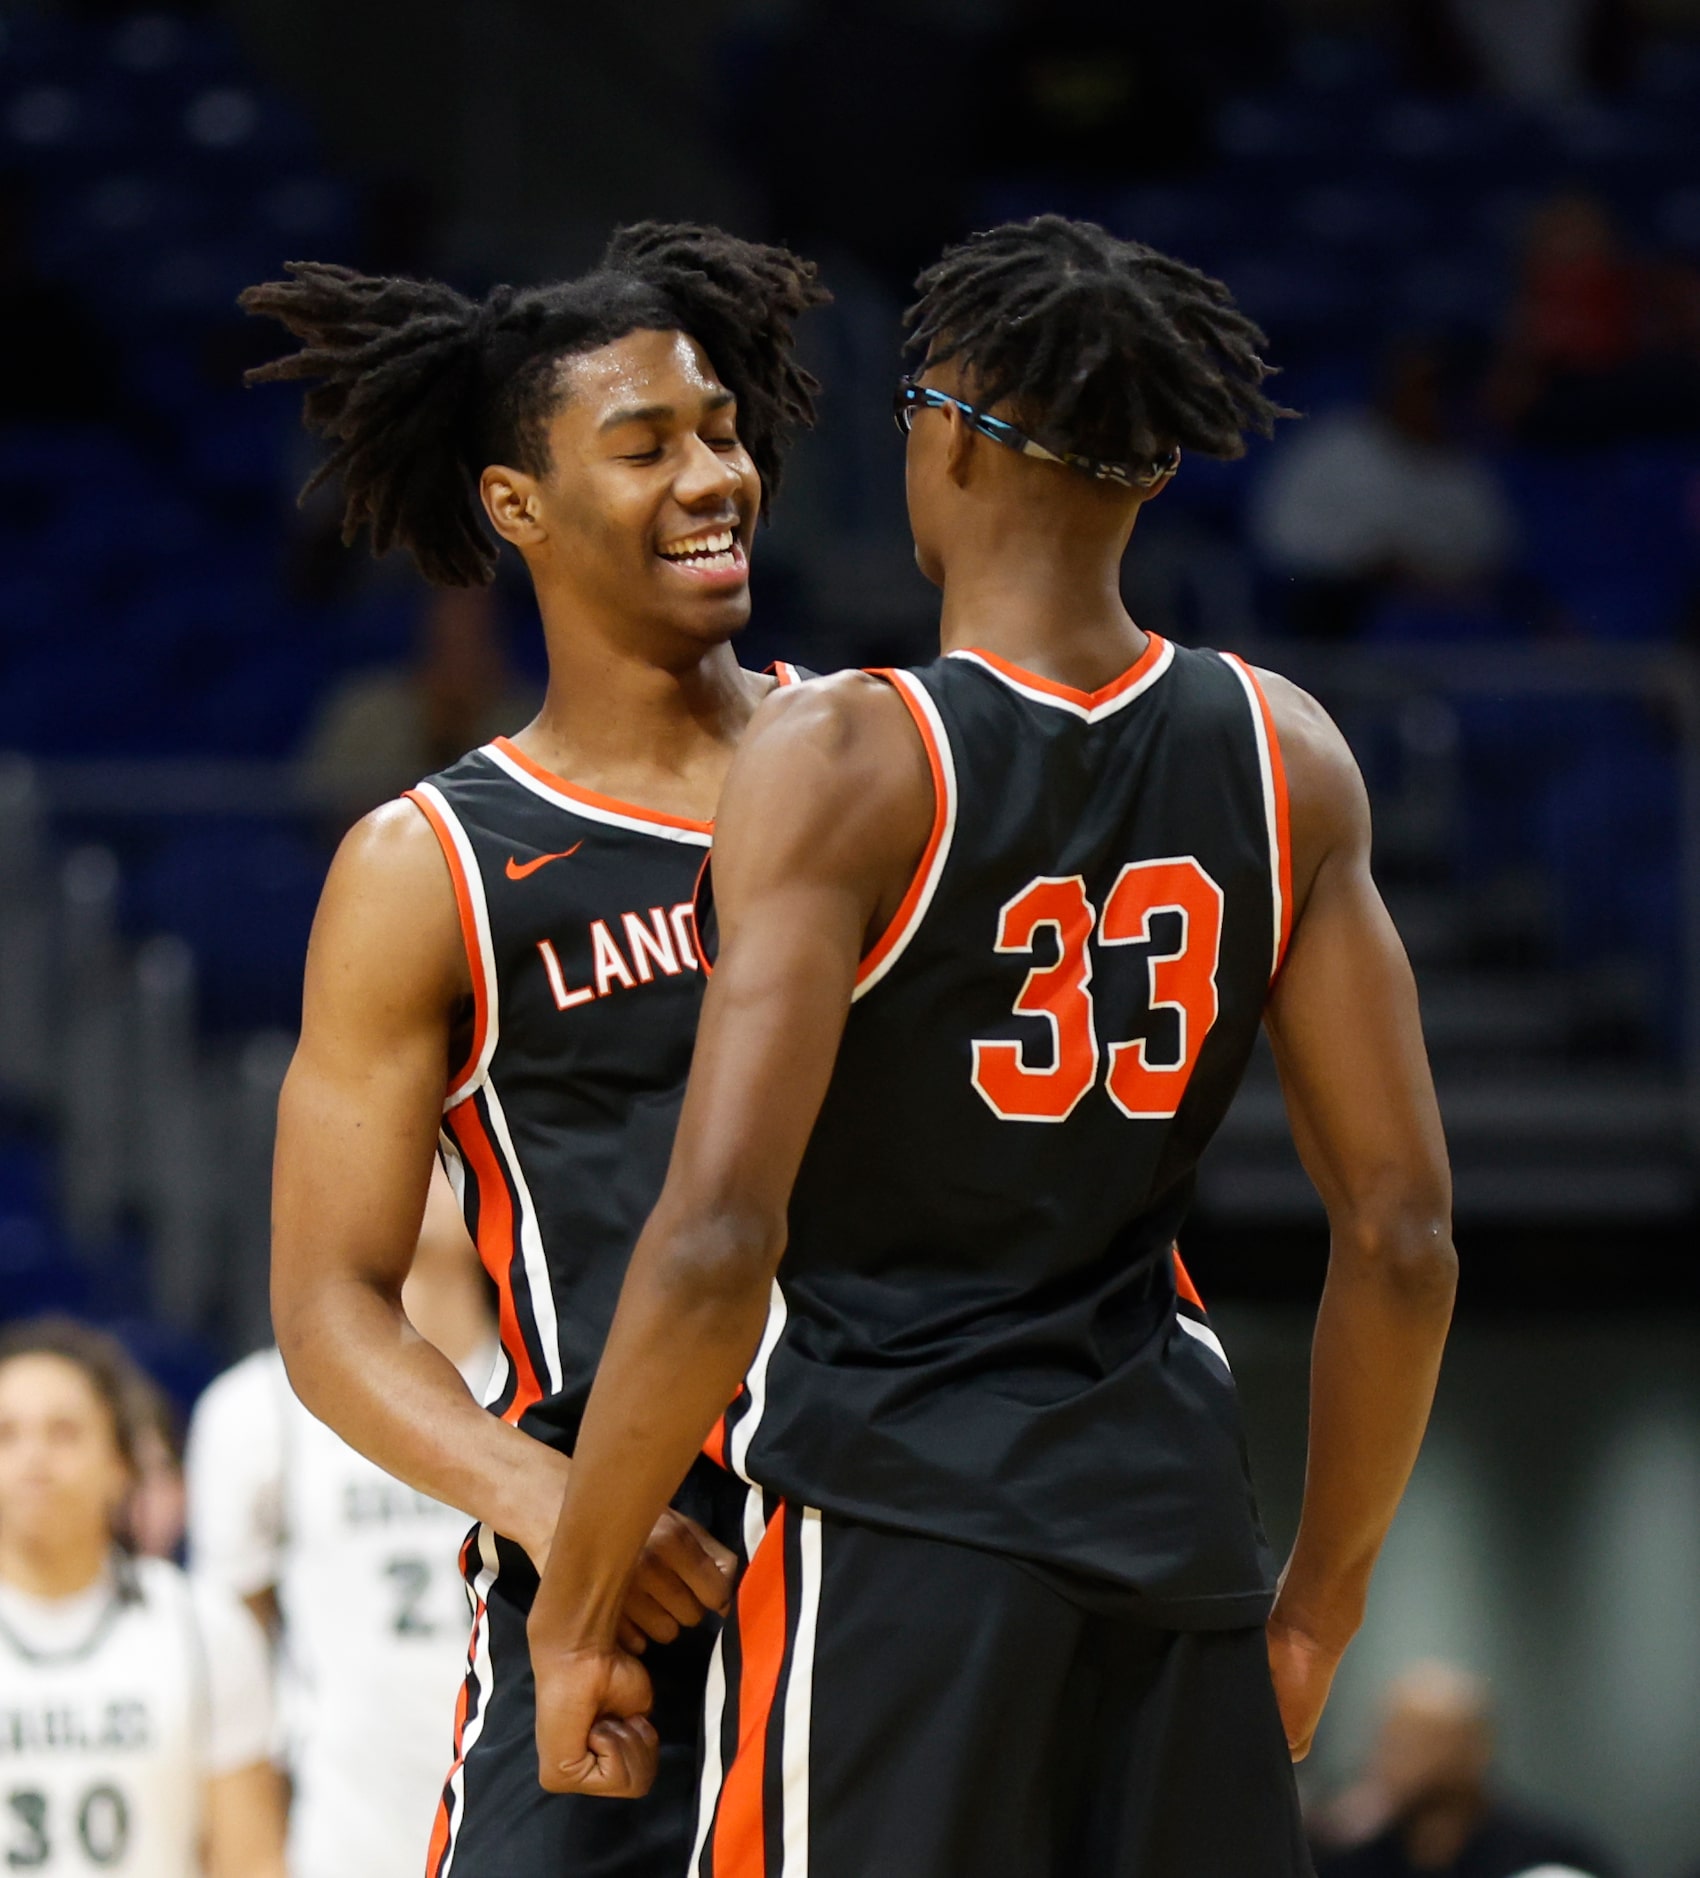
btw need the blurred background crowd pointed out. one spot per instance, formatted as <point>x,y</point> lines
<point>1472,230</point>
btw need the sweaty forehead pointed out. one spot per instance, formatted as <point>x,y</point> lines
<point>641,371</point>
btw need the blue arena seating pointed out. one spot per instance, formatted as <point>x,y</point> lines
<point>142,558</point>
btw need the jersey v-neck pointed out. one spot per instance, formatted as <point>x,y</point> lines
<point>1092,705</point>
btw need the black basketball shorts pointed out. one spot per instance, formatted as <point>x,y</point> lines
<point>884,1706</point>
<point>496,1820</point>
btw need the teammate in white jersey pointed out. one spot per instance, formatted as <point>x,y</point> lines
<point>360,1574</point>
<point>135,1710</point>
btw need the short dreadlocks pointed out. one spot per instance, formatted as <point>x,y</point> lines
<point>1106,348</point>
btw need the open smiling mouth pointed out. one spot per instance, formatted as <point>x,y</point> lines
<point>714,551</point>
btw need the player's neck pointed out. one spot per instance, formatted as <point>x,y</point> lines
<point>56,1566</point>
<point>654,725</point>
<point>1051,610</point>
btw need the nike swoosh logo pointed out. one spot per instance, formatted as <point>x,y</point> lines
<point>518,870</point>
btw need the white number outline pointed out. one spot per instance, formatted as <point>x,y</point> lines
<point>1152,960</point>
<point>1084,988</point>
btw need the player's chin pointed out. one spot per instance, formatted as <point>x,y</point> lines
<point>711,617</point>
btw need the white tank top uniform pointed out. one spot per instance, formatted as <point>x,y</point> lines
<point>374,1608</point>
<point>116,1706</point>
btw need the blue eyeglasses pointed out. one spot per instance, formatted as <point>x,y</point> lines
<point>912,397</point>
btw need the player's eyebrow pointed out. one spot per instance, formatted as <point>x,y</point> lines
<point>661,413</point>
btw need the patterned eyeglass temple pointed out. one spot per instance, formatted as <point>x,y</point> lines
<point>911,397</point>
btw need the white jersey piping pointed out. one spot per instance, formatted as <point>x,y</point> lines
<point>1088,714</point>
<point>592,811</point>
<point>485,963</point>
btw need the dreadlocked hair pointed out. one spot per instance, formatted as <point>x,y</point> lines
<point>1107,348</point>
<point>419,387</point>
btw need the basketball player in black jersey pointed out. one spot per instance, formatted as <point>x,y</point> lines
<point>503,969</point>
<point>995,940</point>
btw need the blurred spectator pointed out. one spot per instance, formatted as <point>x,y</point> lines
<point>1600,346</point>
<point>1426,1803</point>
<point>1364,499</point>
<point>102,1650</point>
<point>356,1575</point>
<point>157,1512</point>
<point>379,731</point>
<point>1534,51</point>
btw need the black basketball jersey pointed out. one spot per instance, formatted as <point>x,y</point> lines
<point>576,914</point>
<point>976,1333</point>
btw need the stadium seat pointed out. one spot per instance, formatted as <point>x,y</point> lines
<point>36,1272</point>
<point>242,894</point>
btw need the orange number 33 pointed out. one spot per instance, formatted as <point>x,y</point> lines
<point>1182,980</point>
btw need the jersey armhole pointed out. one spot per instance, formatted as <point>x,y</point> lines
<point>475,937</point>
<point>1273,773</point>
<point>702,915</point>
<point>912,909</point>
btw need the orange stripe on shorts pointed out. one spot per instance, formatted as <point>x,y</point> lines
<point>740,1847</point>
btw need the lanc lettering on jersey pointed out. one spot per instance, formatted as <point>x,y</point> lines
<point>659,943</point>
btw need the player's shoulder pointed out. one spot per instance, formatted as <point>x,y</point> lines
<point>390,908</point>
<point>391,865</point>
<point>1327,800</point>
<point>829,776</point>
<point>845,744</point>
<point>1315,755</point>
<point>834,707</point>
<point>393,842</point>
<point>1299,718</point>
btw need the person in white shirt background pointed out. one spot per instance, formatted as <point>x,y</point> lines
<point>135,1706</point>
<point>357,1575</point>
<point>1386,496</point>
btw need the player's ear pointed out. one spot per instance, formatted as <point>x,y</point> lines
<point>1157,488</point>
<point>513,502</point>
<point>959,446</point>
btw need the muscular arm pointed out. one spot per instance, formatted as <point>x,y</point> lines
<point>1348,1044</point>
<point>825,813</point>
<point>357,1134</point>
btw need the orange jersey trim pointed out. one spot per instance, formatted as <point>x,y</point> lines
<point>703,959</point>
<point>498,1247</point>
<point>1283,815</point>
<point>739,1827</point>
<point>440,1826</point>
<point>715,1446</point>
<point>1185,1289</point>
<point>905,914</point>
<point>1087,700</point>
<point>609,804</point>
<point>475,960</point>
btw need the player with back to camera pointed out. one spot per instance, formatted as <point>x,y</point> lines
<point>358,1576</point>
<point>996,937</point>
<point>135,1707</point>
<point>503,965</point>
